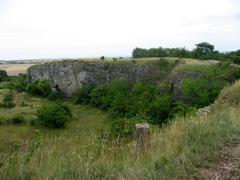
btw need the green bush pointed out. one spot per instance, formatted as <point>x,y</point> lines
<point>120,106</point>
<point>141,97</point>
<point>55,95</point>
<point>39,88</point>
<point>181,109</point>
<point>3,75</point>
<point>160,109</point>
<point>44,88</point>
<point>32,88</point>
<point>8,101</point>
<point>124,128</point>
<point>82,95</point>
<point>53,115</point>
<point>17,119</point>
<point>18,83</point>
<point>97,96</point>
<point>201,92</point>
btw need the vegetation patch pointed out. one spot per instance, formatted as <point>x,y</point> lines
<point>54,115</point>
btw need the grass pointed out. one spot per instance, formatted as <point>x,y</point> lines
<point>176,152</point>
<point>78,152</point>
<point>137,61</point>
<point>230,95</point>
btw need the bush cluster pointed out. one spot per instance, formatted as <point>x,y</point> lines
<point>153,102</point>
<point>8,100</point>
<point>16,119</point>
<point>53,115</point>
<point>128,104</point>
<point>37,88</point>
<point>3,75</point>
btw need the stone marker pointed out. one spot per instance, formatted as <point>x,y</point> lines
<point>142,135</point>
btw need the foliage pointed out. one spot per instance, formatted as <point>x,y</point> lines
<point>97,95</point>
<point>160,109</point>
<point>18,83</point>
<point>203,50</point>
<point>82,95</point>
<point>114,89</point>
<point>201,92</point>
<point>8,100</point>
<point>124,101</point>
<point>55,95</point>
<point>3,75</point>
<point>160,52</point>
<point>18,119</point>
<point>124,127</point>
<point>44,88</point>
<point>181,109</point>
<point>39,88</point>
<point>53,115</point>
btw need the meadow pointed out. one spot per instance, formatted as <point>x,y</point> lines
<point>81,151</point>
<point>84,149</point>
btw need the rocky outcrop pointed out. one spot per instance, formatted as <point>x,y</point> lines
<point>70,75</point>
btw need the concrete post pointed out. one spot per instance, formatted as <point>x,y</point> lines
<point>142,135</point>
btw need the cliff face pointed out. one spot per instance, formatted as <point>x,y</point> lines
<point>71,75</point>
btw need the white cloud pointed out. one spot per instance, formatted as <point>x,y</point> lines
<point>80,28</point>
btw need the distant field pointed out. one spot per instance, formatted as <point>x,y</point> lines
<point>15,69</point>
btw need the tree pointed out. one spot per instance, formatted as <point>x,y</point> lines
<point>3,75</point>
<point>203,50</point>
<point>139,53</point>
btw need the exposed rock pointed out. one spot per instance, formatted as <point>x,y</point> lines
<point>69,76</point>
<point>177,84</point>
<point>142,135</point>
<point>205,110</point>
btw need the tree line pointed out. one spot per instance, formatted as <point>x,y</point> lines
<point>203,51</point>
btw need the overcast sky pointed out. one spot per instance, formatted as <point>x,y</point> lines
<point>92,28</point>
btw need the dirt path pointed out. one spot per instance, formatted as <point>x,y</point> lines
<point>226,168</point>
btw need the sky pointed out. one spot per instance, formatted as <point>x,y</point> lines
<point>33,29</point>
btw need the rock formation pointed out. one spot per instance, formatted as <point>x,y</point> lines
<point>70,75</point>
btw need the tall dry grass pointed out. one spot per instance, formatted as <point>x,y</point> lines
<point>175,152</point>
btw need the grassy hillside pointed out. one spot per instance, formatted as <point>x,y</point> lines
<point>78,152</point>
<point>83,149</point>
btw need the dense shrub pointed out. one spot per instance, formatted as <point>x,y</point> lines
<point>82,95</point>
<point>181,109</point>
<point>3,75</point>
<point>8,101</point>
<point>44,87</point>
<point>160,110</point>
<point>124,127</point>
<point>17,119</point>
<point>32,88</point>
<point>120,106</point>
<point>97,96</point>
<point>18,83</point>
<point>39,88</point>
<point>55,95</point>
<point>53,115</point>
<point>201,92</point>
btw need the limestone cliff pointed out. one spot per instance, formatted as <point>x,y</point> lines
<point>68,76</point>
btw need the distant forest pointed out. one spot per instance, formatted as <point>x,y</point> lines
<point>203,51</point>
